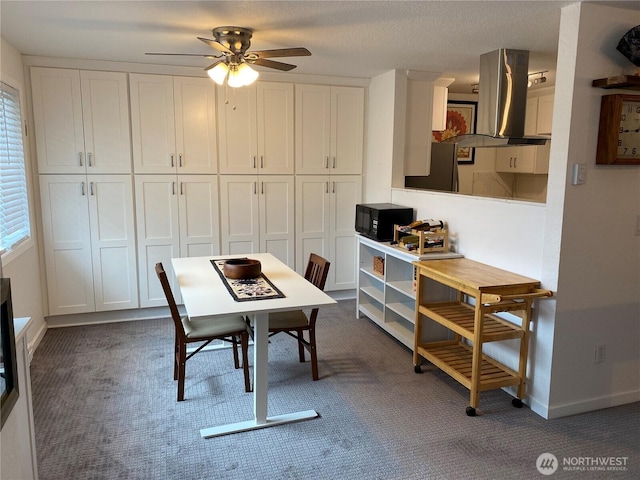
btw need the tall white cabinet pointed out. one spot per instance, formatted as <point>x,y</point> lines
<point>81,121</point>
<point>89,242</point>
<point>257,215</point>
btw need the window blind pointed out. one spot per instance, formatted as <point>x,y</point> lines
<point>14,204</point>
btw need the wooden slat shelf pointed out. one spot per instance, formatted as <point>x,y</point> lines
<point>629,82</point>
<point>460,318</point>
<point>457,361</point>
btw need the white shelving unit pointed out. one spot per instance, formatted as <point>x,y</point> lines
<point>389,299</point>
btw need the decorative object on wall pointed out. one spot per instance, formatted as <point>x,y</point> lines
<point>461,120</point>
<point>619,130</point>
<point>629,46</point>
<point>232,45</point>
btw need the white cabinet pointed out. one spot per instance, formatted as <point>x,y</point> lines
<point>325,219</point>
<point>173,125</point>
<point>530,159</point>
<point>329,129</point>
<point>89,242</point>
<point>388,298</point>
<point>257,215</point>
<point>256,129</point>
<point>81,121</point>
<point>539,115</point>
<point>177,217</point>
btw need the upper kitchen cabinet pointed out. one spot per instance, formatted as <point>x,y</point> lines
<point>256,129</point>
<point>173,124</point>
<point>329,129</point>
<point>539,115</point>
<point>81,121</point>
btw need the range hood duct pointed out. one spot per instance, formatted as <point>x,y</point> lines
<point>502,102</point>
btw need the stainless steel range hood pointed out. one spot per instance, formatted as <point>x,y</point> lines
<point>502,102</point>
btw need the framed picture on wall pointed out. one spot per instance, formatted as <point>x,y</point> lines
<point>461,120</point>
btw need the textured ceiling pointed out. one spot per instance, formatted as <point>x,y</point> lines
<point>346,38</point>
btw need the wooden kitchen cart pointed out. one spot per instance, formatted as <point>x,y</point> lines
<point>482,292</point>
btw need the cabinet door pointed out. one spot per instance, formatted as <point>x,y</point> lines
<point>57,116</point>
<point>506,158</point>
<point>347,129</point>
<point>198,213</point>
<point>345,193</point>
<point>196,144</point>
<point>276,212</point>
<point>312,129</point>
<point>158,234</point>
<point>67,243</point>
<point>312,218</point>
<point>105,113</point>
<point>237,130</point>
<point>152,124</point>
<point>240,221</point>
<point>115,277</point>
<point>275,127</point>
<point>545,115</point>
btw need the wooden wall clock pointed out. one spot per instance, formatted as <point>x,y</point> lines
<point>619,130</point>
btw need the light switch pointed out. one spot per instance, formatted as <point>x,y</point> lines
<point>579,176</point>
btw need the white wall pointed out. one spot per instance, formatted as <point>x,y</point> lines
<point>25,269</point>
<point>599,255</point>
<point>580,244</point>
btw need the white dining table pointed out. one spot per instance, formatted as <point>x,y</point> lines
<point>205,295</point>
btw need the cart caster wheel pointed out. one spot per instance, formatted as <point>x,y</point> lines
<point>516,402</point>
<point>471,412</point>
<point>417,369</point>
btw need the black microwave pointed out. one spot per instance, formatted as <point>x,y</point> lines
<point>376,220</point>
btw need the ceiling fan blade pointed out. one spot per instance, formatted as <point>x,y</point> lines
<point>285,67</point>
<point>184,54</point>
<point>280,52</point>
<point>218,46</point>
<point>213,65</point>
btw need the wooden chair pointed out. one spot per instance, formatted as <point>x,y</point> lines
<point>295,323</point>
<point>205,330</point>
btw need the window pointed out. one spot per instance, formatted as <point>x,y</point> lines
<point>14,202</point>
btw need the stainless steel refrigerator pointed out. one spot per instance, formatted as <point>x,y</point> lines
<point>444,170</point>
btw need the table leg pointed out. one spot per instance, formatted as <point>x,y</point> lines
<point>260,389</point>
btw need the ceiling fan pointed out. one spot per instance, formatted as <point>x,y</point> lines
<point>232,45</point>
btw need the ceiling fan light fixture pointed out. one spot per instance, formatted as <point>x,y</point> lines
<point>241,75</point>
<point>218,73</point>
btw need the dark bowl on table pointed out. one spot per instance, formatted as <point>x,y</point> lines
<point>237,268</point>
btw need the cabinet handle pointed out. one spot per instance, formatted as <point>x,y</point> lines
<point>91,189</point>
<point>254,161</point>
<point>334,162</point>
<point>326,162</point>
<point>80,157</point>
<point>171,156</point>
<point>89,159</point>
<point>515,160</point>
<point>261,161</point>
<point>262,188</point>
<point>326,187</point>
<point>181,188</point>
<point>333,187</point>
<point>510,162</point>
<point>82,188</point>
<point>255,188</point>
<point>173,188</point>
<point>180,160</point>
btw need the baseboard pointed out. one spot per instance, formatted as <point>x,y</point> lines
<point>78,319</point>
<point>596,403</point>
<point>33,344</point>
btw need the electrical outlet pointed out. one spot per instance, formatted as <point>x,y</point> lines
<point>601,352</point>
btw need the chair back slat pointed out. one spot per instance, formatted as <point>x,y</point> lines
<point>317,270</point>
<point>175,314</point>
